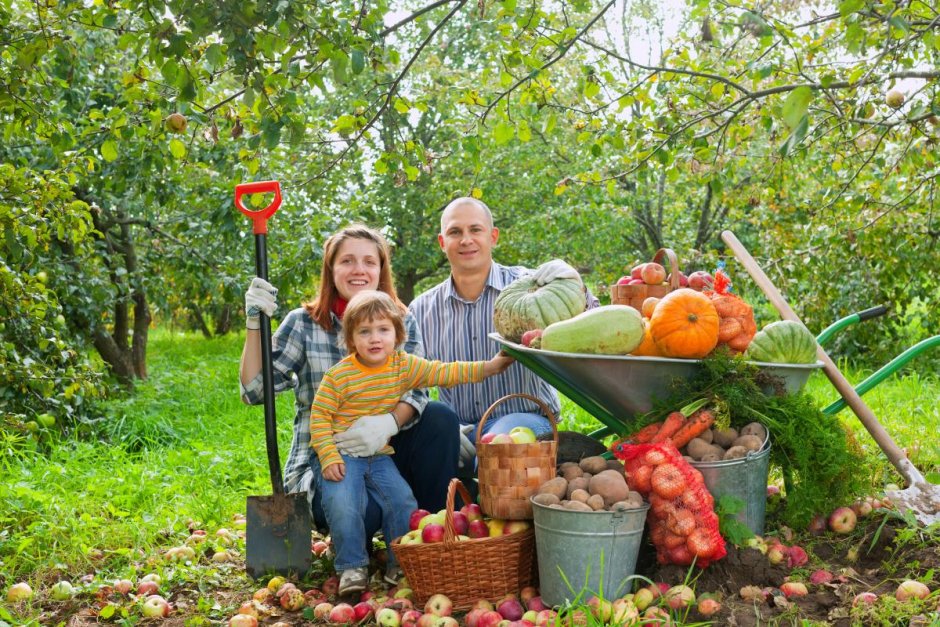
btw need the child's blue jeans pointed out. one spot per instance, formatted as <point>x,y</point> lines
<point>344,504</point>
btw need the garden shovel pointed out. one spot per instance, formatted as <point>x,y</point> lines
<point>278,526</point>
<point>920,497</point>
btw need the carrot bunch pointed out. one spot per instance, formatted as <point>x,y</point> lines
<point>676,428</point>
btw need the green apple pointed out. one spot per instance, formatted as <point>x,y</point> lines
<point>522,435</point>
<point>46,420</point>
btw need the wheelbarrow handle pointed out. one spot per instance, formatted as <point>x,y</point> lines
<point>865,415</point>
<point>260,220</point>
<point>260,217</point>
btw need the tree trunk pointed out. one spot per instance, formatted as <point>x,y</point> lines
<point>223,321</point>
<point>199,321</point>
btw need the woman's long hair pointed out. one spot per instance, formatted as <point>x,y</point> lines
<point>320,308</point>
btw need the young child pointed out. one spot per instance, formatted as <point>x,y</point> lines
<point>370,381</point>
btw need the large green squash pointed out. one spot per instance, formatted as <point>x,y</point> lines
<point>783,342</point>
<point>523,305</point>
<point>607,330</point>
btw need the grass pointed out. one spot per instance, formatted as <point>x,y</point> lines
<point>183,447</point>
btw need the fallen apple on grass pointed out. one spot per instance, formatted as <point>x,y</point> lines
<point>322,610</point>
<point>864,598</point>
<point>19,592</point>
<point>342,613</point>
<point>679,597</point>
<point>62,590</point>
<point>439,605</point>
<point>155,606</point>
<point>911,589</point>
<point>842,520</point>
<point>708,605</point>
<point>243,620</point>
<point>387,617</point>
<point>794,589</point>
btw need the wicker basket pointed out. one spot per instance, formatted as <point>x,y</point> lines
<point>634,295</point>
<point>468,570</point>
<point>510,473</point>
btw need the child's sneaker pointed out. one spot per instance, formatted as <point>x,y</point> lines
<point>392,575</point>
<point>353,580</point>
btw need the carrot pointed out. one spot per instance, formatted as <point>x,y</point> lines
<point>698,423</point>
<point>671,424</point>
<point>645,434</point>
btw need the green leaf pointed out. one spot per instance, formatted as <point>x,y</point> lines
<point>503,132</point>
<point>177,148</point>
<point>524,132</point>
<point>358,61</point>
<point>401,106</point>
<point>380,167</point>
<point>847,7</point>
<point>412,173</point>
<point>796,105</point>
<point>109,151</point>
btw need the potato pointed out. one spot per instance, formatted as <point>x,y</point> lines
<point>580,495</point>
<point>546,498</point>
<point>577,506</point>
<point>698,447</point>
<point>557,487</point>
<point>615,464</point>
<point>713,457</point>
<point>633,501</point>
<point>557,506</point>
<point>708,435</point>
<point>596,502</point>
<point>564,466</point>
<point>755,428</point>
<point>725,437</point>
<point>750,442</point>
<point>611,485</point>
<point>689,458</point>
<point>594,464</point>
<point>578,483</point>
<point>572,472</point>
<point>587,476</point>
<point>736,452</point>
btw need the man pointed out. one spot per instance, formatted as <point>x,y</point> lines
<point>456,317</point>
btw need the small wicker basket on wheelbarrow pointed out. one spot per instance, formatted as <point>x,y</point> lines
<point>634,295</point>
<point>509,474</point>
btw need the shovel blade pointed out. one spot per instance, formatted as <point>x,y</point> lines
<point>922,499</point>
<point>277,535</point>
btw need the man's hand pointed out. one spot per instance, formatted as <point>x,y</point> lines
<point>260,297</point>
<point>367,435</point>
<point>554,269</point>
<point>335,472</point>
<point>467,450</point>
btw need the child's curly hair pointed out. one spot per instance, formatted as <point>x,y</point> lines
<point>372,305</point>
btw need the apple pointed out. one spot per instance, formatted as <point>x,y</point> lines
<point>410,618</point>
<point>263,595</point>
<point>817,526</point>
<point>866,598</point>
<point>708,605</point>
<point>483,604</point>
<point>624,280</point>
<point>155,606</point>
<point>472,512</point>
<point>701,280</point>
<point>330,586</point>
<point>510,608</point>
<point>842,520</point>
<point>535,603</point>
<point>656,616</point>
<point>502,438</point>
<point>796,556</point>
<point>863,509</point>
<point>522,435</point>
<point>314,597</point>
<point>387,617</point>
<point>473,616</point>
<point>461,524</point>
<point>321,611</point>
<point>243,620</point>
<point>495,526</point>
<point>894,99</point>
<point>19,592</point>
<point>515,526</point>
<point>145,588</point>
<point>293,600</point>
<point>637,271</point>
<point>653,274</point>
<point>404,593</point>
<point>623,611</point>
<point>602,609</point>
<point>757,543</point>
<point>679,597</point>
<point>446,621</point>
<point>643,598</point>
<point>400,605</point>
<point>776,553</point>
<point>415,519</point>
<point>636,282</point>
<point>487,438</point>
<point>428,620</point>
<point>249,608</point>
<point>794,589</point>
<point>683,279</point>
<point>432,533</point>
<point>221,556</point>
<point>911,589</point>
<point>343,613</point>
<point>820,576</point>
<point>63,590</point>
<point>530,336</point>
<point>545,618</point>
<point>175,123</point>
<point>319,548</point>
<point>439,605</point>
<point>123,586</point>
<point>773,490</point>
<point>275,583</point>
<point>284,589</point>
<point>431,519</point>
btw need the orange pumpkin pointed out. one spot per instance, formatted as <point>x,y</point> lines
<point>647,347</point>
<point>685,325</point>
<point>737,327</point>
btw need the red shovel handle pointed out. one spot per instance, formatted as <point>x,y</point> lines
<point>260,218</point>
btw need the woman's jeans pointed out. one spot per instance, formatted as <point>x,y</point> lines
<point>345,504</point>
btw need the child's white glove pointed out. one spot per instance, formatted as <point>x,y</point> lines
<point>367,436</point>
<point>554,269</point>
<point>260,297</point>
<point>467,450</point>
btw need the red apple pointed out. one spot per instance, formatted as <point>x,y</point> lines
<point>624,280</point>
<point>472,512</point>
<point>461,524</point>
<point>439,605</point>
<point>817,526</point>
<point>776,553</point>
<point>911,589</point>
<point>636,282</point>
<point>679,597</point>
<point>842,520</point>
<point>416,517</point>
<point>510,608</point>
<point>473,616</point>
<point>701,280</point>
<point>319,547</point>
<point>242,620</point>
<point>146,588</point>
<point>536,603</point>
<point>531,335</point>
<point>602,609</point>
<point>478,529</point>
<point>683,279</point>
<point>515,526</point>
<point>322,611</point>
<point>637,271</point>
<point>410,618</point>
<point>653,274</point>
<point>155,606</point>
<point>545,618</point>
<point>483,604</point>
<point>343,613</point>
<point>293,600</point>
<point>794,589</point>
<point>487,438</point>
<point>796,556</point>
<point>330,586</point>
<point>820,576</point>
<point>708,605</point>
<point>864,598</point>
<point>315,596</point>
<point>432,533</point>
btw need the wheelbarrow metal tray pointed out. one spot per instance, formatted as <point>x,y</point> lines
<point>625,385</point>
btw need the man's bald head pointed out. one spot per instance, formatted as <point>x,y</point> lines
<point>465,201</point>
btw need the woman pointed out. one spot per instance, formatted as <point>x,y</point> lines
<point>305,346</point>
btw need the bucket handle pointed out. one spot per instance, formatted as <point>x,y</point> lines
<point>545,410</point>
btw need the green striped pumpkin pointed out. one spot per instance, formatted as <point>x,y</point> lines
<point>783,342</point>
<point>523,305</point>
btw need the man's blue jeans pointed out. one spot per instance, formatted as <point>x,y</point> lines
<point>345,504</point>
<point>504,424</point>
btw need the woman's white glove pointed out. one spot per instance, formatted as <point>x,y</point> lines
<point>467,450</point>
<point>367,436</point>
<point>260,297</point>
<point>554,269</point>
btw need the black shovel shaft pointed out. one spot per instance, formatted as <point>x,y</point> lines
<point>267,374</point>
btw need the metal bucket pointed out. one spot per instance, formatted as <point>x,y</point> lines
<point>744,478</point>
<point>595,551</point>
